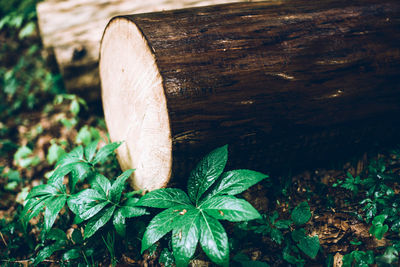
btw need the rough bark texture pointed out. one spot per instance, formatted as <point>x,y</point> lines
<point>287,83</point>
<point>72,29</point>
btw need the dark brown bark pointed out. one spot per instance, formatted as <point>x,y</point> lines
<point>290,82</point>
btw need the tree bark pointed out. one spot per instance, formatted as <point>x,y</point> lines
<point>284,83</point>
<point>72,29</point>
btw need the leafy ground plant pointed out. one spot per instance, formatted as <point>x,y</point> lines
<point>193,217</point>
<point>95,206</point>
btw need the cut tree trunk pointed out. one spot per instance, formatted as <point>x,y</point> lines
<point>292,82</point>
<point>72,29</point>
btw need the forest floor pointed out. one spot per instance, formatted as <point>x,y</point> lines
<point>354,207</point>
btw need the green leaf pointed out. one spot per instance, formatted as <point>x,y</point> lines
<point>207,172</point>
<point>72,254</point>
<point>27,30</point>
<point>276,236</point>
<point>41,190</point>
<point>390,256</point>
<point>213,240</point>
<point>90,150</point>
<point>53,207</point>
<point>32,208</point>
<point>298,234</point>
<point>47,252</point>
<point>161,224</point>
<point>118,186</point>
<point>283,224</point>
<point>91,211</point>
<point>235,182</point>
<point>119,223</point>
<point>164,198</point>
<point>79,172</point>
<point>378,229</point>
<point>185,237</point>
<point>84,136</point>
<point>54,153</point>
<point>129,212</point>
<point>309,245</point>
<point>301,213</point>
<point>74,107</point>
<point>105,151</point>
<point>56,234</point>
<point>98,221</point>
<point>84,200</point>
<point>230,208</point>
<point>58,175</point>
<point>101,184</point>
<point>75,155</point>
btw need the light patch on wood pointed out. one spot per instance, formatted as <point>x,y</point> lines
<point>135,106</point>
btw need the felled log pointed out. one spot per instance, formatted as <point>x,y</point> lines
<point>283,83</point>
<point>72,29</point>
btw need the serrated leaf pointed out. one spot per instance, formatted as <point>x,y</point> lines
<point>164,198</point>
<point>213,240</point>
<point>162,224</point>
<point>118,186</point>
<point>207,172</point>
<point>105,151</point>
<point>309,245</point>
<point>185,238</point>
<point>90,150</point>
<point>71,254</point>
<point>235,182</point>
<point>98,221</point>
<point>101,184</point>
<point>301,213</point>
<point>230,208</point>
<point>41,190</point>
<point>53,207</point>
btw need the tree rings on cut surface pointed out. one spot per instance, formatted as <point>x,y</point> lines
<point>135,106</point>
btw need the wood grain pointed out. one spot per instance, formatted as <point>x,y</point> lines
<point>284,83</point>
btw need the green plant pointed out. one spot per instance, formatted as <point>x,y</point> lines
<point>194,217</point>
<point>290,233</point>
<point>358,259</point>
<point>378,229</point>
<point>351,183</point>
<point>24,157</point>
<point>95,206</point>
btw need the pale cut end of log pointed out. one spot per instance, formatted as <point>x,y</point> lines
<point>135,106</point>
